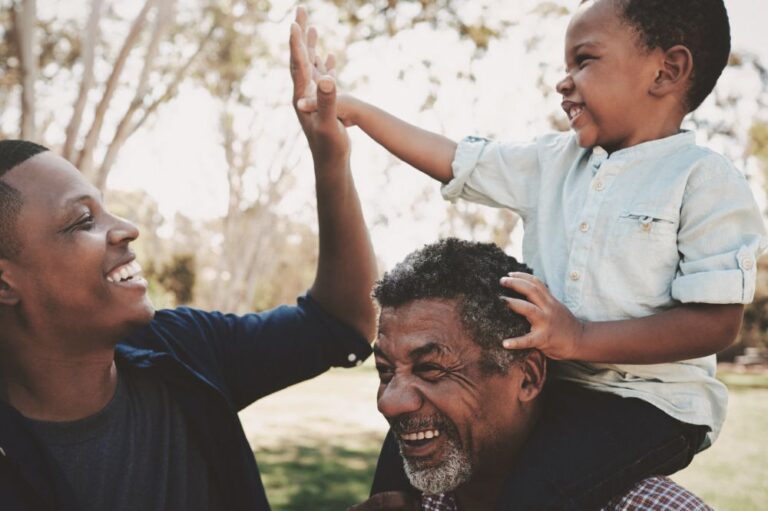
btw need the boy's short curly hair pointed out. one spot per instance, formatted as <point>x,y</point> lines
<point>700,25</point>
<point>468,272</point>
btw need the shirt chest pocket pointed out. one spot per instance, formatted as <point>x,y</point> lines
<point>647,223</point>
<point>643,250</point>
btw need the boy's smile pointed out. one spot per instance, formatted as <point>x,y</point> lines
<point>609,75</point>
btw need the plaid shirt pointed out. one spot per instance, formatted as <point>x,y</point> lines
<point>657,493</point>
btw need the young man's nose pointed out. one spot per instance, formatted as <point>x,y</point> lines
<point>399,397</point>
<point>564,86</point>
<point>122,231</point>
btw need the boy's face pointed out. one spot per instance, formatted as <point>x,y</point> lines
<point>608,78</point>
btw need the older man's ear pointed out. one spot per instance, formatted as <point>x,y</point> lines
<point>534,373</point>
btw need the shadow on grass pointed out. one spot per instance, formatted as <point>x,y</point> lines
<point>318,474</point>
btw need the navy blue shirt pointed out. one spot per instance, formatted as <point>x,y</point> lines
<point>214,365</point>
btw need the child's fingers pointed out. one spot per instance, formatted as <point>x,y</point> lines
<point>326,99</point>
<point>527,309</point>
<point>533,291</point>
<point>330,65</point>
<point>524,342</point>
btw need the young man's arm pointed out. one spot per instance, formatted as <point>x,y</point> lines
<point>683,332</point>
<point>346,267</point>
<point>428,152</point>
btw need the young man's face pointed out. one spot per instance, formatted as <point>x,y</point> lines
<point>608,77</point>
<point>452,421</point>
<point>75,274</point>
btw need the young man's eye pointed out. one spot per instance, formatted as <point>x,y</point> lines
<point>85,223</point>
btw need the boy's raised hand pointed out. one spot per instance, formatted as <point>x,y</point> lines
<point>555,331</point>
<point>328,140</point>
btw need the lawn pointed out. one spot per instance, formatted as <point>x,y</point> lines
<point>317,442</point>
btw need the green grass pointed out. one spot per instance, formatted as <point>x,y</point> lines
<point>317,444</point>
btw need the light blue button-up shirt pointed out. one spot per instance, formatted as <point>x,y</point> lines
<point>627,235</point>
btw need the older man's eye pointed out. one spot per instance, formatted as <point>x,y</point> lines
<point>429,371</point>
<point>385,373</point>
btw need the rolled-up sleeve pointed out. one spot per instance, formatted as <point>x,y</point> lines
<point>721,235</point>
<point>495,174</point>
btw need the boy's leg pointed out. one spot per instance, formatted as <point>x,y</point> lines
<point>589,446</point>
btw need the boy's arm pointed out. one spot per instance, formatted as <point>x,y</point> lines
<point>428,152</point>
<point>683,332</point>
<point>346,268</point>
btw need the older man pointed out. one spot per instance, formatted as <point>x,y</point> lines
<point>105,405</point>
<point>461,408</point>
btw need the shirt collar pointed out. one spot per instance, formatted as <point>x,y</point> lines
<point>656,148</point>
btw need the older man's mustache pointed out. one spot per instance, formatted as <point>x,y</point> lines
<point>409,424</point>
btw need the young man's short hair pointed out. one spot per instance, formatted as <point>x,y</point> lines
<point>468,272</point>
<point>12,154</point>
<point>700,25</point>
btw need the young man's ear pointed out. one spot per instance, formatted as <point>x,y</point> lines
<point>675,72</point>
<point>534,369</point>
<point>8,294</point>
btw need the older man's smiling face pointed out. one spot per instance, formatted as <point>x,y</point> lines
<point>452,420</point>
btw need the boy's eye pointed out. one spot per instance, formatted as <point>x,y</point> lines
<point>582,59</point>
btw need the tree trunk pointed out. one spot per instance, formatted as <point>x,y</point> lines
<point>24,17</point>
<point>89,56</point>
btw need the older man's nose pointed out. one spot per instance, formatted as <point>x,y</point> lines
<point>399,397</point>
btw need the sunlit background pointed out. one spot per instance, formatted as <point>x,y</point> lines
<point>180,110</point>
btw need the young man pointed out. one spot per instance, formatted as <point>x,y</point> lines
<point>105,404</point>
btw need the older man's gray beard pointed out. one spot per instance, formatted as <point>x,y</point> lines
<point>454,470</point>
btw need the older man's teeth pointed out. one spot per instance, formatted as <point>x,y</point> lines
<point>421,435</point>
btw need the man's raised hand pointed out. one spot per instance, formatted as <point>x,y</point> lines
<point>327,137</point>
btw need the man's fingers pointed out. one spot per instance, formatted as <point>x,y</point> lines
<point>298,61</point>
<point>301,17</point>
<point>307,105</point>
<point>389,501</point>
<point>312,45</point>
<point>520,343</point>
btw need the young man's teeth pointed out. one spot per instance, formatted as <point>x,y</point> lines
<point>128,271</point>
<point>421,435</point>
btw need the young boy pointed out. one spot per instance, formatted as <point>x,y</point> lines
<point>643,245</point>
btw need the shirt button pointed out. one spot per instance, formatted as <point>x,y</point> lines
<point>599,185</point>
<point>584,227</point>
<point>575,275</point>
<point>351,357</point>
<point>747,264</point>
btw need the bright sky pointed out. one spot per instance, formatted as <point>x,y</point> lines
<point>180,163</point>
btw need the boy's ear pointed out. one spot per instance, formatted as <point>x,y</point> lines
<point>675,72</point>
<point>534,369</point>
<point>8,294</point>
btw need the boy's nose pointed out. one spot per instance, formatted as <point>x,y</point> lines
<point>564,86</point>
<point>399,397</point>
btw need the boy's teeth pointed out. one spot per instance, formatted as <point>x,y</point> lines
<point>124,272</point>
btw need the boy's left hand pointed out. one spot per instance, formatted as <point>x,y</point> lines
<point>555,331</point>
